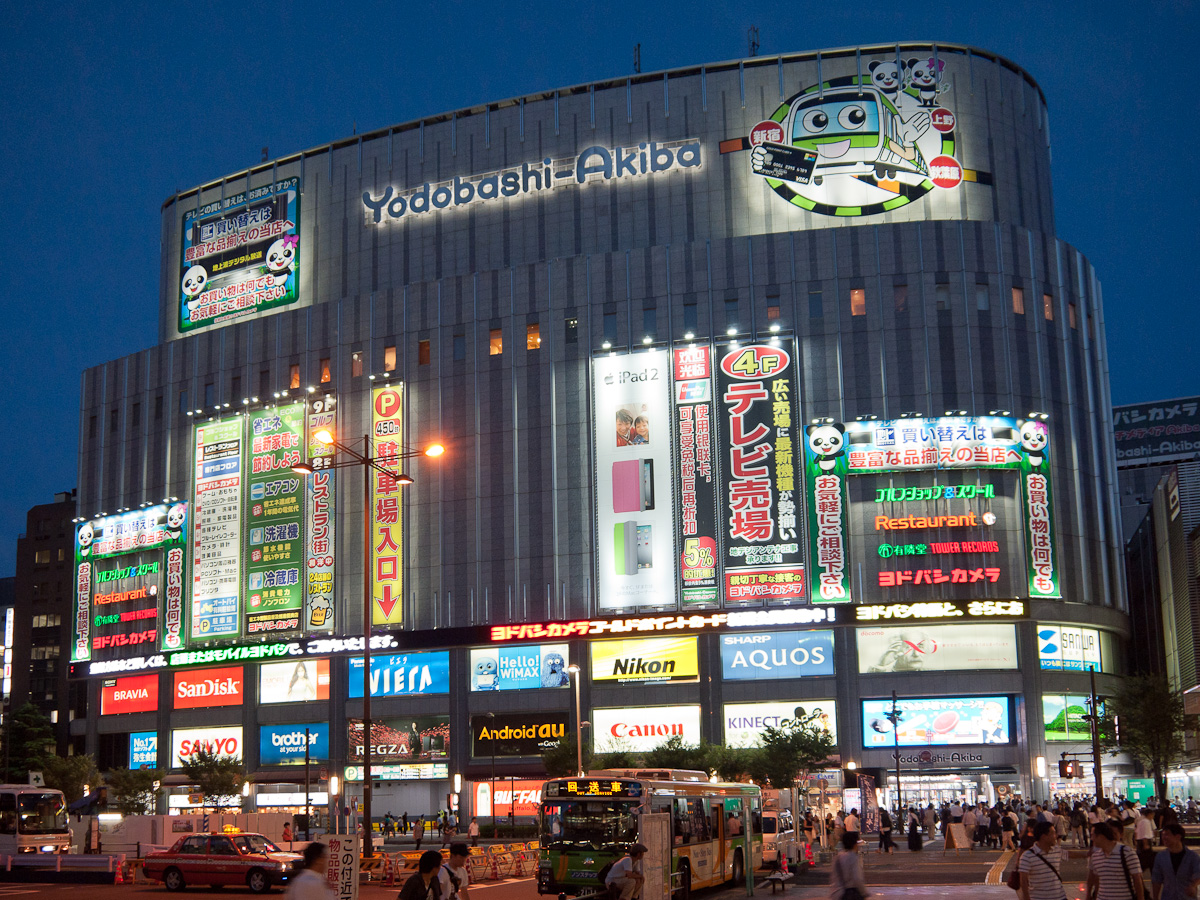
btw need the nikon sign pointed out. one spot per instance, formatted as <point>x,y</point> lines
<point>516,734</point>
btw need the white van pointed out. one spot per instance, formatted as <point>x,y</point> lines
<point>779,835</point>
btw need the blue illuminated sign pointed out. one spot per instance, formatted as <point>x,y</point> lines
<point>766,656</point>
<point>283,745</point>
<point>143,750</point>
<point>403,675</point>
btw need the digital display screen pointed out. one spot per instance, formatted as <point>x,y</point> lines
<point>590,787</point>
<point>938,721</point>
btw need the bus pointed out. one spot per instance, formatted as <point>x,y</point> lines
<point>589,822</point>
<point>33,820</point>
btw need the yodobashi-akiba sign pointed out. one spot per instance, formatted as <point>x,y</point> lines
<point>223,741</point>
<point>595,163</point>
<point>643,728</point>
<point>209,687</point>
<point>128,695</point>
<point>789,654</point>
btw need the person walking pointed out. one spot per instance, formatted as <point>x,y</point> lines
<point>404,823</point>
<point>309,883</point>
<point>473,831</point>
<point>886,844</point>
<point>454,874</point>
<point>424,884</point>
<point>914,830</point>
<point>1176,872</point>
<point>846,881</point>
<point>1113,869</point>
<point>930,822</point>
<point>1040,866</point>
<point>853,826</point>
<point>418,831</point>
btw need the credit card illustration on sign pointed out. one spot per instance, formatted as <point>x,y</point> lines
<point>784,162</point>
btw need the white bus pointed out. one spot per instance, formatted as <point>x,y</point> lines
<point>33,820</point>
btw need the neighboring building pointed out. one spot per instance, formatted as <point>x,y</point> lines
<point>709,259</point>
<point>43,606</point>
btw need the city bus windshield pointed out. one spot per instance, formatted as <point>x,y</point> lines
<point>39,813</point>
<point>588,824</point>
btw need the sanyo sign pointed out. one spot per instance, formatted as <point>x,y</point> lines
<point>595,164</point>
<point>225,741</point>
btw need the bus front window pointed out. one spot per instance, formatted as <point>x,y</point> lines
<point>594,824</point>
<point>41,814</point>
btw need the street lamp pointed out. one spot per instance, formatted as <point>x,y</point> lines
<point>574,672</point>
<point>495,824</point>
<point>894,717</point>
<point>388,466</point>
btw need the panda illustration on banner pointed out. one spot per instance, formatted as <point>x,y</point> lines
<point>1034,438</point>
<point>828,442</point>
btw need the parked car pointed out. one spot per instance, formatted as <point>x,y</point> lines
<point>221,859</point>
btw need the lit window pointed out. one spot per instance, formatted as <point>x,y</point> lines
<point>1018,300</point>
<point>982,299</point>
<point>533,336</point>
<point>1048,307</point>
<point>572,330</point>
<point>1071,315</point>
<point>41,557</point>
<point>389,358</point>
<point>495,342</point>
<point>422,353</point>
<point>356,364</point>
<point>61,554</point>
<point>858,302</point>
<point>772,313</point>
<point>294,377</point>
<point>325,374</point>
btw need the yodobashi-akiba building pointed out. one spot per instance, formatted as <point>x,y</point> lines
<point>781,349</point>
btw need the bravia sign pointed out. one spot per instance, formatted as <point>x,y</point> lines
<point>129,695</point>
<point>209,687</point>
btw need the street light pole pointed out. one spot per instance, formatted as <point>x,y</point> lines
<point>495,825</point>
<point>1094,720</point>
<point>574,673</point>
<point>894,717</point>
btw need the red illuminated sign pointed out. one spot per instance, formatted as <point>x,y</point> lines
<point>937,576</point>
<point>209,687</point>
<point>129,695</point>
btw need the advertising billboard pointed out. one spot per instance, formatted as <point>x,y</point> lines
<point>635,521</point>
<point>510,798</point>
<point>224,740</point>
<point>138,693</point>
<point>519,668</point>
<point>1153,433</point>
<point>403,674</point>
<point>697,481</point>
<point>762,560</point>
<point>938,721</point>
<point>143,750</point>
<point>283,745</point>
<point>294,682</point>
<point>216,529</point>
<point>937,648</point>
<point>646,660</point>
<point>240,255</point>
<point>765,656</point>
<point>401,772</point>
<point>517,734</point>
<point>387,519</point>
<point>641,728</point>
<point>746,722</point>
<point>275,520</point>
<point>1064,716</point>
<point>1068,648</point>
<point>413,739</point>
<point>202,688</point>
<point>322,415</point>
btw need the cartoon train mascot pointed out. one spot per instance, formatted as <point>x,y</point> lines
<point>1034,438</point>
<point>828,442</point>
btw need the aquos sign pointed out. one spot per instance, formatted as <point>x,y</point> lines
<point>759,657</point>
<point>595,163</point>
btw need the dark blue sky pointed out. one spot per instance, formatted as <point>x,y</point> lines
<point>108,108</point>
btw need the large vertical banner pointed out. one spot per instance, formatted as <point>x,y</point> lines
<point>756,394</point>
<point>322,415</point>
<point>240,255</point>
<point>825,472</point>
<point>274,592</point>
<point>387,525</point>
<point>635,547</point>
<point>216,528</point>
<point>1039,524</point>
<point>697,473</point>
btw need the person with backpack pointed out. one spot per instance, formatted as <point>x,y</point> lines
<point>624,880</point>
<point>1113,869</point>
<point>454,874</point>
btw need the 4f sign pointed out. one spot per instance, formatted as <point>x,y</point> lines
<point>755,363</point>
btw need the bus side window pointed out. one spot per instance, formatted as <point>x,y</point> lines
<point>683,821</point>
<point>700,821</point>
<point>756,816</point>
<point>8,814</point>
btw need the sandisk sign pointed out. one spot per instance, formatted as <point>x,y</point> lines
<point>225,741</point>
<point>129,695</point>
<point>209,687</point>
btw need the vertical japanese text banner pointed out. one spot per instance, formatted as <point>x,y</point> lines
<point>697,474</point>
<point>217,528</point>
<point>762,558</point>
<point>387,526</point>
<point>825,472</point>
<point>1039,515</point>
<point>322,416</point>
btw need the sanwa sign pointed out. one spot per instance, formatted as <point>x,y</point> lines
<point>771,655</point>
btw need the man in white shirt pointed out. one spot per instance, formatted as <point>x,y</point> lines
<point>1143,829</point>
<point>1114,872</point>
<point>956,812</point>
<point>625,877</point>
<point>1041,865</point>
<point>853,825</point>
<point>454,874</point>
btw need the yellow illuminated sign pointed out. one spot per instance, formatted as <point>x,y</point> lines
<point>646,659</point>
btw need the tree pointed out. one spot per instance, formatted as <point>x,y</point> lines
<point>560,761</point>
<point>673,753</point>
<point>29,739</point>
<point>132,790</point>
<point>1145,719</point>
<point>735,763</point>
<point>218,777</point>
<point>69,774</point>
<point>796,745</point>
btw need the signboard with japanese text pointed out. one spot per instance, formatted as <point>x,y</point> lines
<point>413,739</point>
<point>438,771</point>
<point>275,521</point>
<point>641,728</point>
<point>283,745</point>
<point>941,610</point>
<point>319,533</point>
<point>1068,648</point>
<point>345,854</point>
<point>293,682</point>
<point>746,722</point>
<point>674,659</point>
<point>635,521</point>
<point>223,740</point>
<point>520,668</point>
<point>512,797</point>
<point>402,674</point>
<point>937,648</point>
<point>240,255</point>
<point>217,528</point>
<point>143,750</point>
<point>772,655</point>
<point>387,518</point>
<point>138,693</point>
<point>509,735</point>
<point>757,403</point>
<point>696,469</point>
<point>938,721</point>
<point>1153,433</point>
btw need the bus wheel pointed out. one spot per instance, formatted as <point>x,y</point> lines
<point>685,881</point>
<point>739,871</point>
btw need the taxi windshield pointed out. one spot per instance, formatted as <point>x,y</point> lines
<point>255,843</point>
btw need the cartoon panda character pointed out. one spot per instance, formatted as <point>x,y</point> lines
<point>485,674</point>
<point>1034,438</point>
<point>281,258</point>
<point>888,76</point>
<point>828,442</point>
<point>176,516</point>
<point>194,280</point>
<point>554,671</point>
<point>926,76</point>
<point>85,538</point>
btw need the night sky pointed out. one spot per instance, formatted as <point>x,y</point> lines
<point>107,109</point>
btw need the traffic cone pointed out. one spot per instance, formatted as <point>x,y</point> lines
<point>389,872</point>
<point>118,878</point>
<point>808,855</point>
<point>783,864</point>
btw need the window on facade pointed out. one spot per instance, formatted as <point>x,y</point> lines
<point>900,297</point>
<point>649,322</point>
<point>772,313</point>
<point>495,342</point>
<point>423,353</point>
<point>941,296</point>
<point>982,299</point>
<point>183,401</point>
<point>815,306</point>
<point>610,327</point>
<point>41,557</point>
<point>691,317</point>
<point>731,312</point>
<point>114,420</point>
<point>264,381</point>
<point>235,387</point>
<point>460,347</point>
<point>1071,320</point>
<point>158,407</point>
<point>61,554</point>
<point>326,374</point>
<point>858,302</point>
<point>294,376</point>
<point>136,415</point>
<point>356,364</point>
<point>389,358</point>
<point>572,330</point>
<point>1018,301</point>
<point>533,336</point>
<point>210,391</point>
<point>1048,307</point>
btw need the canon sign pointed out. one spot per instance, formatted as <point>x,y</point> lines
<point>639,729</point>
<point>209,687</point>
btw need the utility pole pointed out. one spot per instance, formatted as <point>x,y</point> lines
<point>1094,720</point>
<point>894,717</point>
